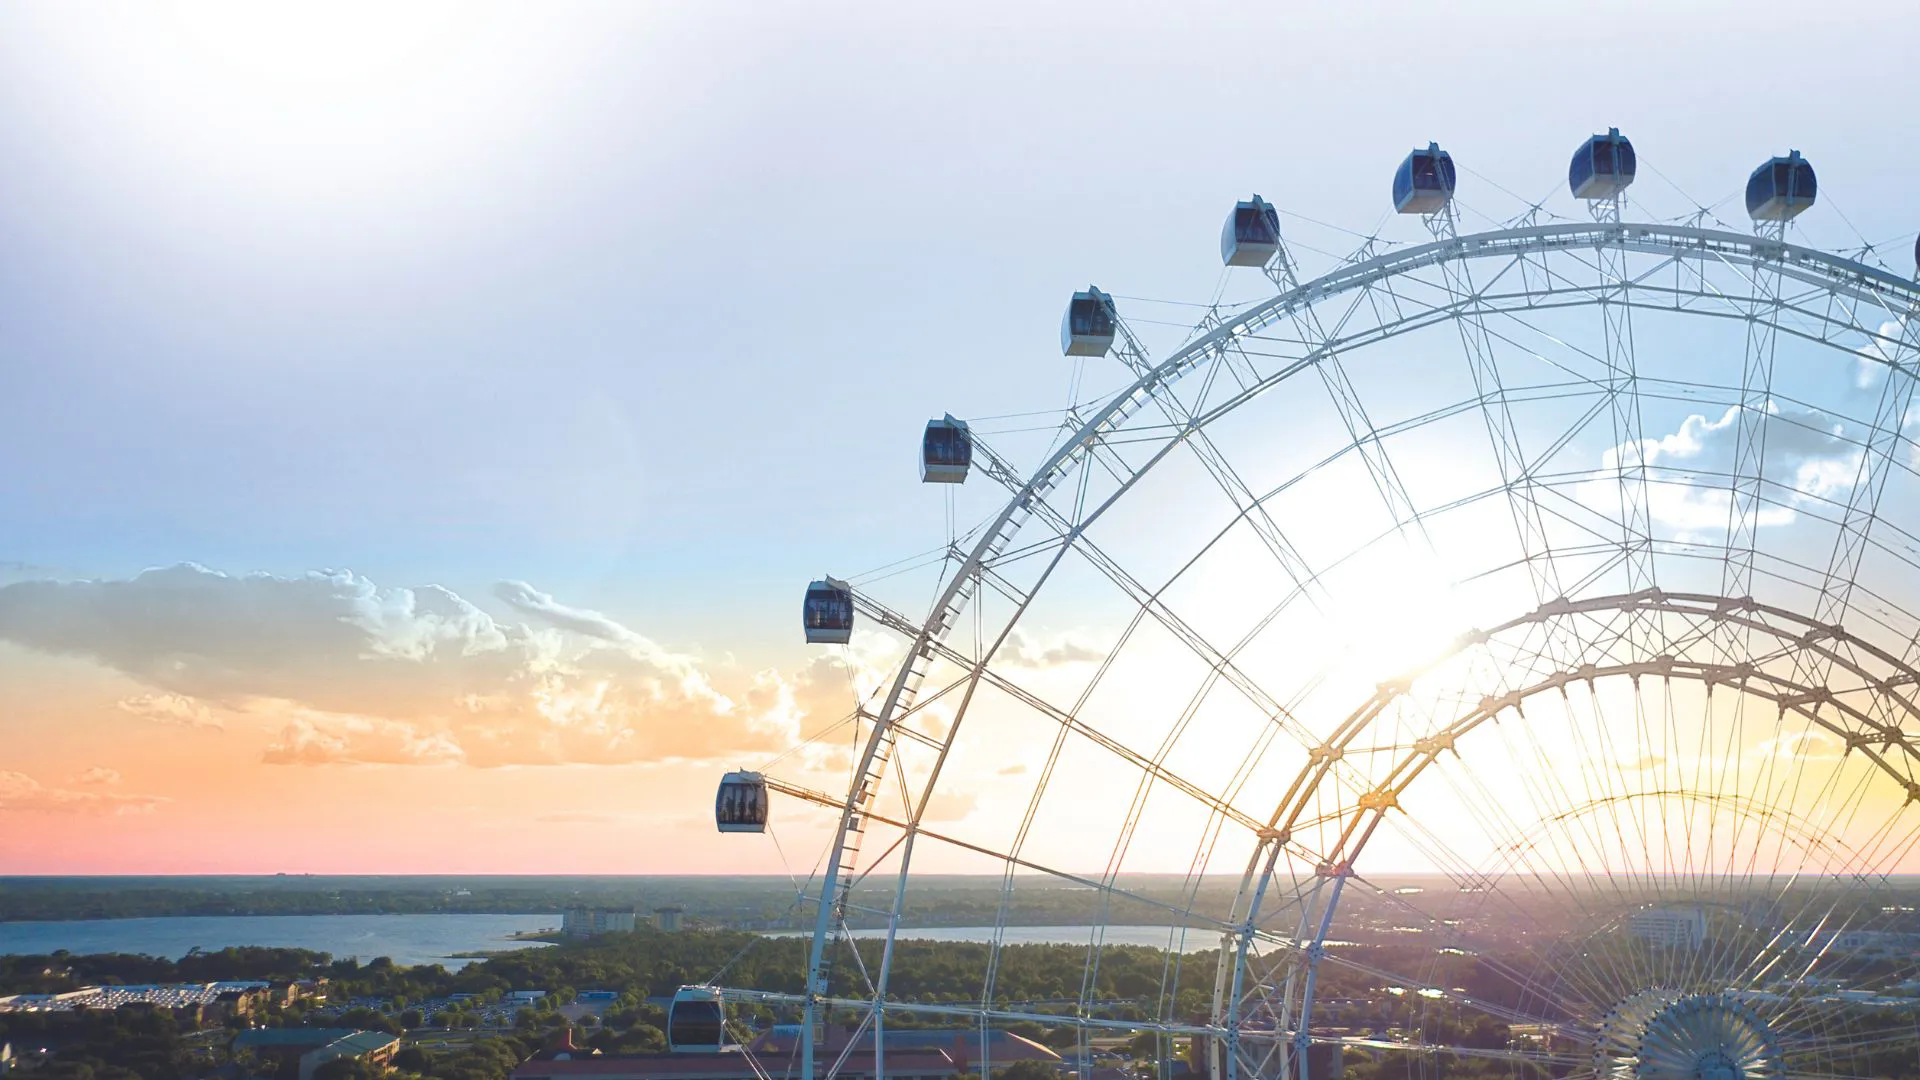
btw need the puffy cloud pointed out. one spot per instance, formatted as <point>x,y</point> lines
<point>1808,745</point>
<point>174,709</point>
<point>1881,350</point>
<point>349,672</point>
<point>528,600</point>
<point>22,794</point>
<point>330,638</point>
<point>311,738</point>
<point>99,774</point>
<point>1807,453</point>
<point>1021,651</point>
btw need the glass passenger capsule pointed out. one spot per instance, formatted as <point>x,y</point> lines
<point>1425,181</point>
<point>946,451</point>
<point>1602,167</point>
<point>741,803</point>
<point>696,1021</point>
<point>828,612</point>
<point>1251,235</point>
<point>1781,189</point>
<point>1087,328</point>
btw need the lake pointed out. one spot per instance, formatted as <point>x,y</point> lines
<point>1157,936</point>
<point>408,939</point>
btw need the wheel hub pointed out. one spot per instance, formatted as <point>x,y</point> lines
<point>1663,1034</point>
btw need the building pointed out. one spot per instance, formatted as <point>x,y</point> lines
<point>668,918</point>
<point>220,999</point>
<point>314,1047</point>
<point>910,1055</point>
<point>290,1045</point>
<point>1673,928</point>
<point>725,1065</point>
<point>376,1048</point>
<point>314,990</point>
<point>585,922</point>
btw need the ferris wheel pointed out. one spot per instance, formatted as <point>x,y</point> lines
<point>1493,650</point>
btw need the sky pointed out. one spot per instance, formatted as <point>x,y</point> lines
<point>422,421</point>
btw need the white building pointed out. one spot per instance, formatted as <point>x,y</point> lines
<point>1673,928</point>
<point>581,922</point>
<point>108,998</point>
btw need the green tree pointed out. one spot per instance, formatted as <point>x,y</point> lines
<point>1027,1070</point>
<point>343,1068</point>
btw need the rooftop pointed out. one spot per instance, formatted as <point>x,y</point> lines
<point>294,1036</point>
<point>725,1065</point>
<point>362,1042</point>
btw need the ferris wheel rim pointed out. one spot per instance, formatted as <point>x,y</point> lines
<point>1842,276</point>
<point>1835,274</point>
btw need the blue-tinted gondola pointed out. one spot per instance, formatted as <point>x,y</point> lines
<point>1087,328</point>
<point>1251,235</point>
<point>741,803</point>
<point>828,612</point>
<point>1916,258</point>
<point>1781,189</point>
<point>696,1021</point>
<point>946,451</point>
<point>1602,167</point>
<point>1425,182</point>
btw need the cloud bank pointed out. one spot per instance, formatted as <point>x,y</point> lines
<point>22,794</point>
<point>350,672</point>
<point>1808,454</point>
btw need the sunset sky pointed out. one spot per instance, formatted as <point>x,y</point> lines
<point>420,422</point>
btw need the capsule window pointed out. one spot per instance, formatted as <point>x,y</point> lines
<point>827,612</point>
<point>1602,157</point>
<point>948,446</point>
<point>1251,226</point>
<point>741,804</point>
<point>696,1023</point>
<point>1090,321</point>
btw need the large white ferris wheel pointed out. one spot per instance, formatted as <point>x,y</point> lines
<point>1523,625</point>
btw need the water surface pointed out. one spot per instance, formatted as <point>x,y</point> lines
<point>1160,937</point>
<point>407,939</point>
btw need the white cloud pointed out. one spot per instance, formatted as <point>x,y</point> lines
<point>528,600</point>
<point>311,738</point>
<point>22,794</point>
<point>1879,352</point>
<point>1021,651</point>
<point>1808,745</point>
<point>173,709</point>
<point>1806,453</point>
<point>353,673</point>
<point>99,774</point>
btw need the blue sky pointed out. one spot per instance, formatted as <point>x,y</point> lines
<point>645,305</point>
